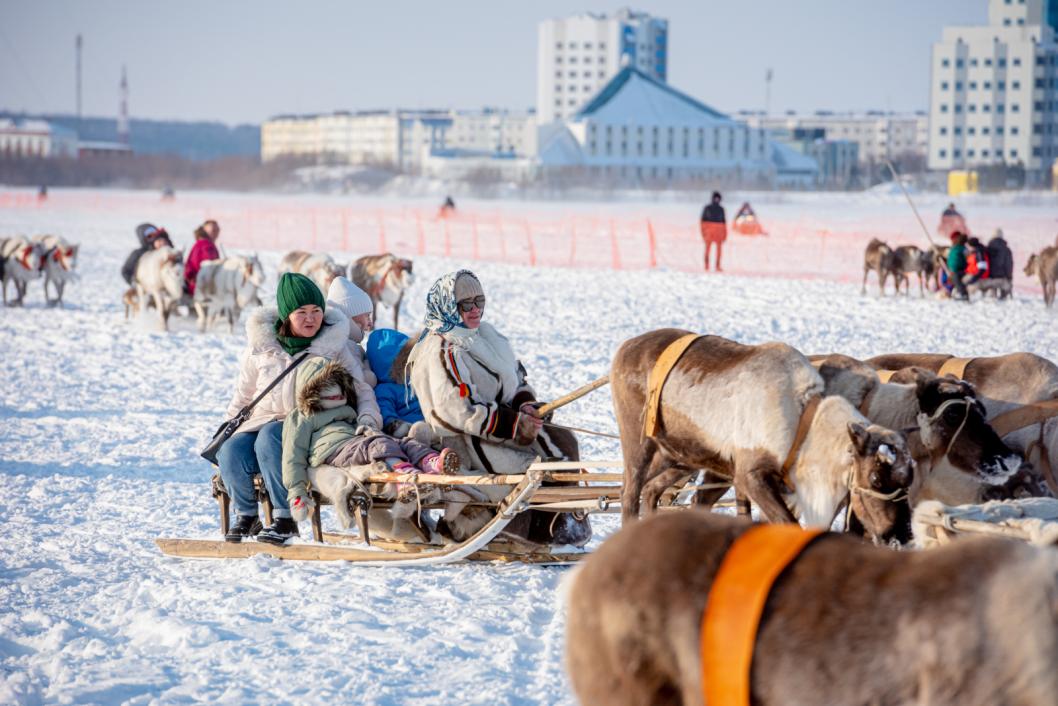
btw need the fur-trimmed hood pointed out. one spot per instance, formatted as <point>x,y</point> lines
<point>322,374</point>
<point>260,332</point>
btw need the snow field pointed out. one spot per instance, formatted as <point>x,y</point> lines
<point>101,421</point>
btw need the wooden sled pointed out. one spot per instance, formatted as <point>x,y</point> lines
<point>1033,520</point>
<point>593,493</point>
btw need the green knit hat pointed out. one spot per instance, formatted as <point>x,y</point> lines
<point>295,291</point>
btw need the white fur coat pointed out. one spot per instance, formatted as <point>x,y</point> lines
<point>264,359</point>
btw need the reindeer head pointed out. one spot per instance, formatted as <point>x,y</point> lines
<point>30,256</point>
<point>404,273</point>
<point>67,256</point>
<point>1032,264</point>
<point>882,472</point>
<point>253,277</point>
<point>954,427</point>
<point>172,273</point>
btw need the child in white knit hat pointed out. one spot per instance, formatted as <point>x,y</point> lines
<point>354,302</point>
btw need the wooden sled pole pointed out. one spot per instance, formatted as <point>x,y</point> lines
<point>936,248</point>
<point>575,395</point>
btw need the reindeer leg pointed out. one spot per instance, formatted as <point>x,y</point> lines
<point>657,485</point>
<point>61,287</point>
<point>638,457</point>
<point>759,477</point>
<point>707,498</point>
<point>200,311</point>
<point>396,311</point>
<point>742,508</point>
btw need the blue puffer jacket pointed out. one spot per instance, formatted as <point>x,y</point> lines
<point>396,401</point>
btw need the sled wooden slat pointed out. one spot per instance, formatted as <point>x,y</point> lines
<point>513,503</point>
<point>495,479</point>
<point>495,551</point>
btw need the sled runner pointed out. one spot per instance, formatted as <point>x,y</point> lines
<point>593,492</point>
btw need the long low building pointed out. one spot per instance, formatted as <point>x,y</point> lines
<point>638,129</point>
<point>398,138</point>
<point>35,138</point>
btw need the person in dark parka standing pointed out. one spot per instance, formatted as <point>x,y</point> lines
<point>714,229</point>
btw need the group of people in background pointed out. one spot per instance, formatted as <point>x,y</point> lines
<point>151,237</point>
<point>969,261</point>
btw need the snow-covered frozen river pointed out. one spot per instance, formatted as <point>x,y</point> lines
<point>101,420</point>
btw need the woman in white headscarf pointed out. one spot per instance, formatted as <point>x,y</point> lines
<point>474,394</point>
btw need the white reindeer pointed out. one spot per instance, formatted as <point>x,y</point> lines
<point>20,262</point>
<point>228,285</point>
<point>319,267</point>
<point>160,275</point>
<point>60,263</point>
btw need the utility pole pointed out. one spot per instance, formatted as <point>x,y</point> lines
<point>123,111</point>
<point>767,93</point>
<point>78,45</point>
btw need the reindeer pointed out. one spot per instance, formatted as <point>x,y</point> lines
<point>959,458</point>
<point>738,411</point>
<point>909,259</point>
<point>1044,265</point>
<point>878,257</point>
<point>973,623</point>
<point>384,278</point>
<point>319,267</point>
<point>60,261</point>
<point>228,286</point>
<point>160,275</point>
<point>20,262</point>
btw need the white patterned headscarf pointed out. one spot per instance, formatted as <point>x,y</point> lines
<point>442,310</point>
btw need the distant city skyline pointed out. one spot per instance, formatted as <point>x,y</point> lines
<point>243,62</point>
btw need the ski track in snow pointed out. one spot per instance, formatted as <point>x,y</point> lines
<point>102,420</point>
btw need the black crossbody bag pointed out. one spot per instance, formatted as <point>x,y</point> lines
<point>225,431</point>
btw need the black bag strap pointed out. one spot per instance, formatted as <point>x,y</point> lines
<point>248,408</point>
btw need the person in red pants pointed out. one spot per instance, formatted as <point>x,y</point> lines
<point>714,229</point>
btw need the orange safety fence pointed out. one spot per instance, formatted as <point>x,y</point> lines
<point>546,237</point>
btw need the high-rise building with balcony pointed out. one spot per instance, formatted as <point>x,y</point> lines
<point>578,55</point>
<point>994,91</point>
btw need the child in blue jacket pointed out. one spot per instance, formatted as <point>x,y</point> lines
<point>397,401</point>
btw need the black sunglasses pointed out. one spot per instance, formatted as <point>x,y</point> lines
<point>465,305</point>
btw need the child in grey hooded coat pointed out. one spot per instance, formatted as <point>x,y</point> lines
<point>323,429</point>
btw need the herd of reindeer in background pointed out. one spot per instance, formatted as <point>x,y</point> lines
<point>226,286</point>
<point>903,261</point>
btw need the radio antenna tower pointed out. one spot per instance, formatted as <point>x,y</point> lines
<point>123,113</point>
<point>77,45</point>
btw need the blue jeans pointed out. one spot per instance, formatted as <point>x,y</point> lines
<point>245,455</point>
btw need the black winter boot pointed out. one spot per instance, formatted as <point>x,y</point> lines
<point>245,526</point>
<point>282,529</point>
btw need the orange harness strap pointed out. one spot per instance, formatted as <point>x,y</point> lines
<point>736,602</point>
<point>954,366</point>
<point>885,375</point>
<point>658,375</point>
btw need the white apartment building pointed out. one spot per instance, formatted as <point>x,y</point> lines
<point>993,97</point>
<point>36,138</point>
<point>878,136</point>
<point>493,131</point>
<point>576,56</point>
<point>638,129</point>
<point>402,139</point>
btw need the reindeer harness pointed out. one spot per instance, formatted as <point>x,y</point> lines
<point>736,601</point>
<point>1015,419</point>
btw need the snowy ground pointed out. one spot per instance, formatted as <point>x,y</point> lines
<point>100,421</point>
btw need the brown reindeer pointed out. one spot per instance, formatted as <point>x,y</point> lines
<point>735,411</point>
<point>1003,383</point>
<point>971,624</point>
<point>384,278</point>
<point>959,458</point>
<point>910,259</point>
<point>1045,266</point>
<point>877,258</point>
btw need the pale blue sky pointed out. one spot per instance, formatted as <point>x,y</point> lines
<point>243,61</point>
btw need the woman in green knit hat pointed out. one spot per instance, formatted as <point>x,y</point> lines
<point>275,337</point>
